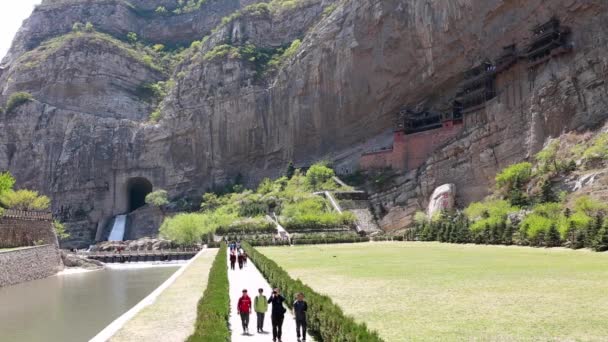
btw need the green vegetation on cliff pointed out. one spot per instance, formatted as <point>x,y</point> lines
<point>243,211</point>
<point>17,99</point>
<point>138,52</point>
<point>526,210</point>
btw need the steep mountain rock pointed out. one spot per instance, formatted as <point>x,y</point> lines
<point>228,112</point>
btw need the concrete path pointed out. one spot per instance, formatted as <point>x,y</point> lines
<point>172,316</point>
<point>251,279</point>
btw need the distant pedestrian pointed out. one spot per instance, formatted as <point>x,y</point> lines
<point>232,260</point>
<point>260,305</point>
<point>278,314</point>
<point>300,307</point>
<point>240,259</point>
<point>244,254</point>
<point>244,309</point>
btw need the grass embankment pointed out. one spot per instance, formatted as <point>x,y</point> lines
<point>326,321</point>
<point>173,313</point>
<point>432,291</point>
<point>214,307</point>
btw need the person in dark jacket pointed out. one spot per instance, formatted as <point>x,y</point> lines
<point>240,260</point>
<point>232,260</point>
<point>299,308</point>
<point>277,315</point>
<point>244,309</point>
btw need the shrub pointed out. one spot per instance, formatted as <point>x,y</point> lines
<point>213,311</point>
<point>186,229</point>
<point>60,230</point>
<point>77,27</point>
<point>547,158</point>
<point>511,181</point>
<point>318,176</point>
<point>248,226</point>
<point>17,99</point>
<point>486,213</point>
<point>326,321</point>
<point>161,10</point>
<point>158,198</point>
<point>24,200</point>
<point>156,115</point>
<point>598,149</point>
<point>89,27</point>
<point>222,51</point>
<point>6,182</point>
<point>132,37</point>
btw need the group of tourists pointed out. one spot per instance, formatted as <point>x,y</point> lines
<point>277,316</point>
<point>237,254</point>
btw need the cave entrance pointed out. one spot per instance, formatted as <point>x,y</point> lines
<point>137,189</point>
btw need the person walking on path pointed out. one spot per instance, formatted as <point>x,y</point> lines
<point>244,254</point>
<point>232,260</point>
<point>244,309</point>
<point>240,258</point>
<point>278,314</point>
<point>260,305</point>
<point>300,307</point>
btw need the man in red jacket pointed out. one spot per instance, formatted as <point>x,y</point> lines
<point>244,309</point>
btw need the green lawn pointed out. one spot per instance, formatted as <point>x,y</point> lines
<point>443,292</point>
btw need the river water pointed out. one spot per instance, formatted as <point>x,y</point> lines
<point>74,306</point>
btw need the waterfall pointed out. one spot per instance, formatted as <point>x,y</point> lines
<point>118,230</point>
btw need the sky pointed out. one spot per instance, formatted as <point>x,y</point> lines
<point>11,16</point>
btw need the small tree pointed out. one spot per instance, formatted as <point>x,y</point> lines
<point>318,175</point>
<point>6,182</point>
<point>132,37</point>
<point>553,238</point>
<point>89,27</point>
<point>547,195</point>
<point>158,198</point>
<point>77,27</point>
<point>60,230</point>
<point>601,241</point>
<point>290,170</point>
<point>17,99</point>
<point>210,202</point>
<point>24,200</point>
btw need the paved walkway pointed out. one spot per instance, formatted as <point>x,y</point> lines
<point>171,317</point>
<point>251,279</point>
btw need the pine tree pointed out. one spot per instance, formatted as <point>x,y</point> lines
<point>571,235</point>
<point>553,237</point>
<point>592,230</point>
<point>547,194</point>
<point>290,170</point>
<point>580,239</point>
<point>507,236</point>
<point>540,239</point>
<point>601,241</point>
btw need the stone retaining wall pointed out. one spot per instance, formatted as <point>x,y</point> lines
<point>26,228</point>
<point>30,263</point>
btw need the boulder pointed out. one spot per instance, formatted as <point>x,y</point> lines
<point>443,198</point>
<point>73,260</point>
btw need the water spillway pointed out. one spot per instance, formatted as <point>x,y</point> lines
<point>118,230</point>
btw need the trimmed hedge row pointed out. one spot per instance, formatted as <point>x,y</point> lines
<point>326,321</point>
<point>332,240</point>
<point>213,312</point>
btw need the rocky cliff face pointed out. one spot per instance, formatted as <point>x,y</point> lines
<point>228,112</point>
